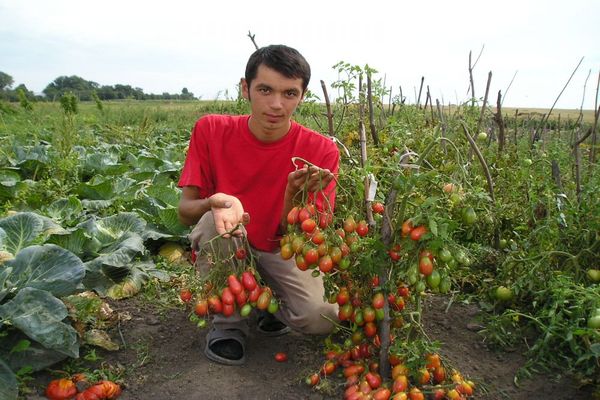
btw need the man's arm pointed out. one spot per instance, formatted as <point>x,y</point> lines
<point>227,210</point>
<point>191,206</point>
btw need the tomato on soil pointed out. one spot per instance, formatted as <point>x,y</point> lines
<point>185,295</point>
<point>281,357</point>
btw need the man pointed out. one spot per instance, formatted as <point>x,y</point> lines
<point>239,178</point>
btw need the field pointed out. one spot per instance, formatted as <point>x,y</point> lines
<point>485,255</point>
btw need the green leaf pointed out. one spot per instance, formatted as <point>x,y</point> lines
<point>9,388</point>
<point>114,227</point>
<point>64,209</point>
<point>170,220</point>
<point>75,241</point>
<point>433,227</point>
<point>46,267</point>
<point>21,230</point>
<point>39,315</point>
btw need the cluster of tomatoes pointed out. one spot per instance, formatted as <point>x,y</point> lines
<point>427,271</point>
<point>363,380</point>
<point>242,292</point>
<point>315,245</point>
<point>365,315</point>
<point>69,388</point>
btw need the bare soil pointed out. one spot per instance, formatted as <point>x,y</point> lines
<point>163,358</point>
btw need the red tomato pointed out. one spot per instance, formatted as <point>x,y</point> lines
<point>418,232</point>
<point>201,308</point>
<point>313,379</point>
<point>378,300</point>
<point>336,254</point>
<point>349,225</point>
<point>325,263</point>
<point>240,253</point>
<point>311,256</point>
<point>425,266</point>
<point>263,300</point>
<point>254,294</point>
<point>400,384</point>
<point>234,284</point>
<point>370,329</point>
<point>227,296</point>
<point>381,394</point>
<point>426,253</point>
<point>369,314</point>
<point>362,228</point>
<point>377,207</point>
<point>345,312</point>
<point>325,219</point>
<point>407,227</point>
<point>343,296</point>
<point>301,263</point>
<point>394,252</point>
<point>281,357</point>
<point>304,214</point>
<point>248,281</point>
<point>185,295</point>
<point>328,368</point>
<point>416,394</point>
<point>215,305</point>
<point>355,369</point>
<point>318,236</point>
<point>292,217</point>
<point>228,310</point>
<point>61,389</point>
<point>439,374</point>
<point>403,291</point>
<point>241,298</point>
<point>373,379</point>
<point>308,225</point>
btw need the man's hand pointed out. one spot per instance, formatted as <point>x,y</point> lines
<point>229,214</point>
<point>312,178</point>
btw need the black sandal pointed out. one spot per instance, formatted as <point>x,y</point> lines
<point>268,325</point>
<point>226,346</point>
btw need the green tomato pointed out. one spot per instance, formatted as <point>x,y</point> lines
<point>445,285</point>
<point>455,198</point>
<point>433,280</point>
<point>594,322</point>
<point>503,293</point>
<point>445,255</point>
<point>482,136</point>
<point>469,216</point>
<point>503,243</point>
<point>420,286</point>
<point>245,310</point>
<point>593,274</point>
<point>527,162</point>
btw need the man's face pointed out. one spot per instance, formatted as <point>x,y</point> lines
<point>273,99</point>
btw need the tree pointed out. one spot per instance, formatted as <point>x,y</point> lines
<point>79,86</point>
<point>6,81</point>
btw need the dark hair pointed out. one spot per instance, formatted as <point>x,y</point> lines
<point>283,59</point>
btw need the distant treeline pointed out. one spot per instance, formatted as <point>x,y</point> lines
<point>83,89</point>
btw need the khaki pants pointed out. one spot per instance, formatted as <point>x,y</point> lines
<point>301,295</point>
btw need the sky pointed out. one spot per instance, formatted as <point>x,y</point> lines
<point>164,46</point>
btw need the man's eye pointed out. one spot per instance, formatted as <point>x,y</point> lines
<point>263,90</point>
<point>291,94</point>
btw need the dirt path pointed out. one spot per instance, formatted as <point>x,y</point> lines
<point>163,358</point>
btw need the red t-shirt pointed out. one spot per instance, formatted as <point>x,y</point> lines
<point>224,156</point>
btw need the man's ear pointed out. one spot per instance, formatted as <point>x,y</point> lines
<point>245,88</point>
